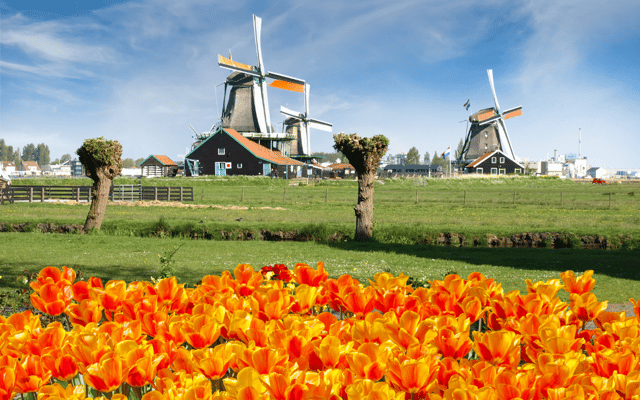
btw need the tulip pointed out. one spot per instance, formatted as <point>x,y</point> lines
<point>304,274</point>
<point>57,392</point>
<point>499,348</point>
<point>107,374</point>
<point>586,307</point>
<point>413,376</point>
<point>579,286</point>
<point>7,382</point>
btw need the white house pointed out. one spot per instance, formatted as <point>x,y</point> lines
<point>30,167</point>
<point>597,173</point>
<point>9,167</point>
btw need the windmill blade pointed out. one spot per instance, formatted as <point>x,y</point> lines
<point>257,29</point>
<point>490,120</point>
<point>291,113</point>
<point>259,106</point>
<point>512,112</point>
<point>265,104</point>
<point>307,87</point>
<point>505,142</point>
<point>225,62</point>
<point>304,130</point>
<point>275,75</point>
<point>493,89</point>
<point>294,87</point>
<point>320,125</point>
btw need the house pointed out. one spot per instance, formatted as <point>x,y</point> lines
<point>9,167</point>
<point>158,166</point>
<point>30,167</point>
<point>494,163</point>
<point>597,173</point>
<point>342,170</point>
<point>226,152</point>
<point>418,169</point>
<point>552,168</point>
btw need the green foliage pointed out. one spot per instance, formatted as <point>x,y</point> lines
<point>413,156</point>
<point>101,155</point>
<point>167,268</point>
<point>363,153</point>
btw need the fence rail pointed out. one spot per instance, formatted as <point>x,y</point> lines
<point>32,194</point>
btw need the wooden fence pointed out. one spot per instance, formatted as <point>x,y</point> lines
<point>15,193</point>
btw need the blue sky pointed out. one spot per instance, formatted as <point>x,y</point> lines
<point>141,72</point>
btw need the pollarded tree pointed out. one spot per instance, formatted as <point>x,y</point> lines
<point>364,154</point>
<point>102,160</point>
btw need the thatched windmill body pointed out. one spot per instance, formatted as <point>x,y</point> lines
<point>488,131</point>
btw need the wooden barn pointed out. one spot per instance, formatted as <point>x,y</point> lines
<point>156,165</point>
<point>494,163</point>
<point>226,152</point>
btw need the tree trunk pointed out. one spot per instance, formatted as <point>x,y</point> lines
<point>364,208</point>
<point>99,201</point>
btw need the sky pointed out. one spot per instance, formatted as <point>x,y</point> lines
<point>141,72</point>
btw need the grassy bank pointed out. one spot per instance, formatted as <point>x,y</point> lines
<point>134,258</point>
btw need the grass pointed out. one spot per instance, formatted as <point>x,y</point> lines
<point>617,273</point>
<point>407,210</point>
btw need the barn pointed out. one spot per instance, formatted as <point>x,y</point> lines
<point>157,165</point>
<point>226,152</point>
<point>494,163</point>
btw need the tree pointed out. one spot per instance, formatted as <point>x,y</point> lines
<point>138,161</point>
<point>413,156</point>
<point>65,158</point>
<point>42,154</point>
<point>364,154</point>
<point>3,151</point>
<point>427,158</point>
<point>127,163</point>
<point>29,152</point>
<point>458,151</point>
<point>102,161</point>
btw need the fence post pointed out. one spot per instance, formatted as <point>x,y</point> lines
<point>155,193</point>
<point>326,195</point>
<point>182,194</point>
<point>89,196</point>
<point>42,194</point>
<point>30,194</point>
<point>78,194</point>
<point>168,193</point>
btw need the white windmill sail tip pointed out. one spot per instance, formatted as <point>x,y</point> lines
<point>257,31</point>
<point>320,125</point>
<point>493,89</point>
<point>284,110</point>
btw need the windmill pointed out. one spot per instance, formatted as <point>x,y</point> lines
<point>488,131</point>
<point>247,110</point>
<point>304,123</point>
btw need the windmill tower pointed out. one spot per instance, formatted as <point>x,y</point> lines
<point>300,125</point>
<point>488,131</point>
<point>247,109</point>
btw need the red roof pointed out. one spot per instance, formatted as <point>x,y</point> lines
<point>341,166</point>
<point>260,151</point>
<point>165,160</point>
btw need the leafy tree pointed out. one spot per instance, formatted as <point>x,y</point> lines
<point>413,156</point>
<point>458,151</point>
<point>16,155</point>
<point>3,151</point>
<point>138,161</point>
<point>65,158</point>
<point>427,158</point>
<point>128,163</point>
<point>364,154</point>
<point>42,156</point>
<point>329,157</point>
<point>102,161</point>
<point>29,152</point>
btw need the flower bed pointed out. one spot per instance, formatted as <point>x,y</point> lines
<point>296,335</point>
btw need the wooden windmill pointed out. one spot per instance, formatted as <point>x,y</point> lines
<point>488,131</point>
<point>247,109</point>
<point>301,123</point>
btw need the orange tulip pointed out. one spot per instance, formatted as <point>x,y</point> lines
<point>30,374</point>
<point>213,362</point>
<point>370,329</point>
<point>413,376</point>
<point>263,359</point>
<point>331,352</point>
<point>201,331</point>
<point>585,306</point>
<point>7,382</point>
<point>57,392</point>
<point>305,275</point>
<point>579,286</point>
<point>107,374</point>
<point>87,311</point>
<point>62,366</point>
<point>369,361</point>
<point>499,347</point>
<point>247,280</point>
<point>369,390</point>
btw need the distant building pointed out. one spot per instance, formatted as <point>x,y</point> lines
<point>551,168</point>
<point>30,168</point>
<point>342,170</point>
<point>494,163</point>
<point>9,167</point>
<point>76,168</point>
<point>157,165</point>
<point>597,173</point>
<point>420,169</point>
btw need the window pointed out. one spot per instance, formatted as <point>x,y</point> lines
<point>502,171</point>
<point>501,160</point>
<point>494,171</point>
<point>239,165</point>
<point>517,171</point>
<point>479,171</point>
<point>493,160</point>
<point>221,151</point>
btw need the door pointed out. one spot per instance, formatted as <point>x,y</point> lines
<point>266,169</point>
<point>221,169</point>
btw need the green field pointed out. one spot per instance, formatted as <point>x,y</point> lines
<point>406,210</point>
